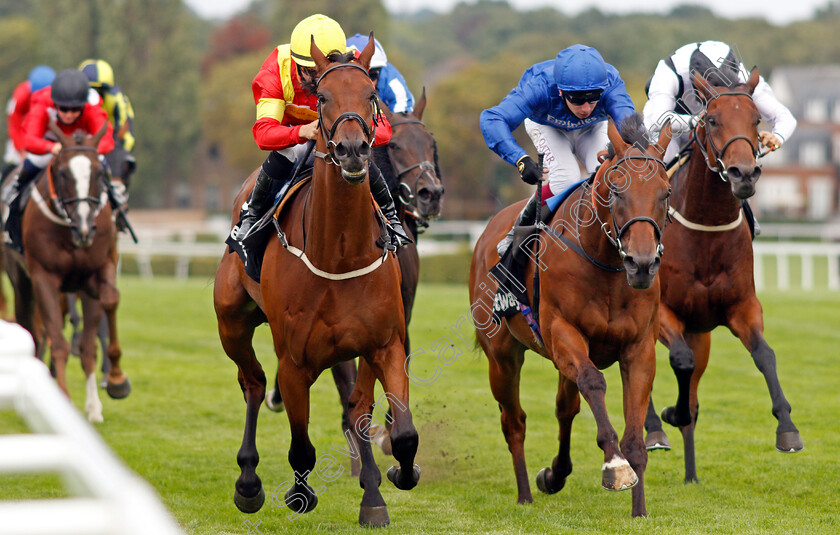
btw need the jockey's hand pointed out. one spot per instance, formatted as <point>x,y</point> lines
<point>529,170</point>
<point>309,130</point>
<point>770,140</point>
<point>56,148</point>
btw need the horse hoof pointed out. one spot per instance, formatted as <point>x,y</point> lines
<point>669,415</point>
<point>276,407</point>
<point>119,390</point>
<point>542,484</point>
<point>305,503</point>
<point>789,442</point>
<point>618,475</point>
<point>249,505</point>
<point>657,440</point>
<point>394,476</point>
<point>374,517</point>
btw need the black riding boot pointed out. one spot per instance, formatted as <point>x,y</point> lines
<point>755,228</point>
<point>379,189</point>
<point>275,167</point>
<point>27,174</point>
<point>526,217</point>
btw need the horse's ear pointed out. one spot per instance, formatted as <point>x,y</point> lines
<point>706,89</point>
<point>98,136</point>
<point>367,53</point>
<point>615,138</point>
<point>318,57</point>
<point>664,138</point>
<point>421,105</point>
<point>753,81</point>
<point>63,139</point>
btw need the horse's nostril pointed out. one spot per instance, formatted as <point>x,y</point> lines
<point>364,150</point>
<point>340,150</point>
<point>733,173</point>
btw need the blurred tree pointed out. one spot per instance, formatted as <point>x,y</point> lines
<point>20,46</point>
<point>358,16</point>
<point>243,34</point>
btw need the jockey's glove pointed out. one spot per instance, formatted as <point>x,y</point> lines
<point>529,170</point>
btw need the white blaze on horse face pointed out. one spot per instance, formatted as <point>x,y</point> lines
<point>81,166</point>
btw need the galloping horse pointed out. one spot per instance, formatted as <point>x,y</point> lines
<point>338,299</point>
<point>707,277</point>
<point>590,314</point>
<point>69,242</point>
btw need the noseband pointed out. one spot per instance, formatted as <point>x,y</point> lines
<point>613,235</point>
<point>329,156</point>
<point>720,168</point>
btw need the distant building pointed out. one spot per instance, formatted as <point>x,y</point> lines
<point>802,179</point>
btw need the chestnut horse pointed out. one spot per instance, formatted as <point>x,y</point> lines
<point>69,242</point>
<point>590,315</point>
<point>707,277</point>
<point>335,299</point>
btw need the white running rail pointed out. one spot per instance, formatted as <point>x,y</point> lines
<point>107,498</point>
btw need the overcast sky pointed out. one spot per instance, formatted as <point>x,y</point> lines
<point>775,11</point>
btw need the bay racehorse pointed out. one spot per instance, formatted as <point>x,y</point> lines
<point>69,243</point>
<point>409,164</point>
<point>707,277</point>
<point>335,298</point>
<point>591,315</point>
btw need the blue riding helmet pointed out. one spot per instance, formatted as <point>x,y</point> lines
<point>580,68</point>
<point>359,42</point>
<point>40,77</point>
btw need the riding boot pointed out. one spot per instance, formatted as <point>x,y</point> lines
<point>275,168</point>
<point>755,228</point>
<point>525,217</point>
<point>379,189</point>
<point>12,225</point>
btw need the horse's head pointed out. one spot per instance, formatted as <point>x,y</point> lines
<point>729,133</point>
<point>347,108</point>
<point>76,182</point>
<point>636,190</point>
<point>413,154</point>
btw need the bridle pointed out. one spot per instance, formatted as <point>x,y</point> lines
<point>328,134</point>
<point>406,192</point>
<point>614,233</point>
<point>718,165</point>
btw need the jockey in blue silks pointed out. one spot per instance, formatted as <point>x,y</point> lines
<point>564,103</point>
<point>390,84</point>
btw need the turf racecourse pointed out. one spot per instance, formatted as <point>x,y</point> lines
<point>182,425</point>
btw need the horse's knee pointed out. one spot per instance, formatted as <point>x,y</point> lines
<point>591,381</point>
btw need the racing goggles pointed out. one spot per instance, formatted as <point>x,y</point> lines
<point>579,98</point>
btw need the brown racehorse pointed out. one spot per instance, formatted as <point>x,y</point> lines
<point>408,164</point>
<point>69,243</point>
<point>718,289</point>
<point>591,315</point>
<point>317,321</point>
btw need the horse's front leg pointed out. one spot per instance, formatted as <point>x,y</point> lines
<point>47,296</point>
<point>567,405</point>
<point>119,386</point>
<point>91,316</point>
<point>344,375</point>
<point>638,367</point>
<point>569,351</point>
<point>745,320</point>
<point>672,334</point>
<point>388,364</point>
<point>372,511</point>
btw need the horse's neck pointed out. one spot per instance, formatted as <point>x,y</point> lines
<point>702,196</point>
<point>340,226</point>
<point>581,225</point>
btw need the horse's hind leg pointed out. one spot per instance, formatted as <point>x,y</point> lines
<point>672,334</point>
<point>553,479</point>
<point>118,386</point>
<point>273,398</point>
<point>344,375</point>
<point>92,315</point>
<point>747,324</point>
<point>372,511</point>
<point>700,345</point>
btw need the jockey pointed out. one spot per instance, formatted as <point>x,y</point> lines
<point>390,84</point>
<point>671,94</point>
<point>287,118</point>
<point>66,103</point>
<point>121,115</point>
<point>17,108</point>
<point>564,103</point>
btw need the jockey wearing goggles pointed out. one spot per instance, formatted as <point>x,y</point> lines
<point>287,118</point>
<point>564,104</point>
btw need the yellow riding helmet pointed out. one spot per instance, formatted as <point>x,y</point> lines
<point>98,72</point>
<point>328,37</point>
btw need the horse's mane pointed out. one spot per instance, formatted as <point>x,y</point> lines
<point>633,132</point>
<point>310,85</point>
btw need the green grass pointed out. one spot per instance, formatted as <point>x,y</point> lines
<point>182,425</point>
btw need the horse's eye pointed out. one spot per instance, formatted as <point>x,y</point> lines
<point>392,145</point>
<point>712,121</point>
<point>321,98</point>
